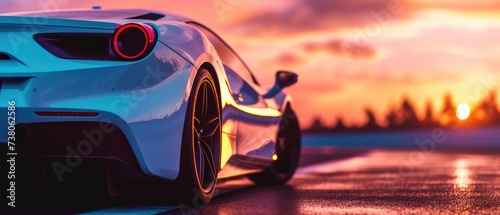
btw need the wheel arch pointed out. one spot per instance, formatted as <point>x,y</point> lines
<point>288,109</point>
<point>284,101</point>
<point>210,68</point>
<point>211,62</point>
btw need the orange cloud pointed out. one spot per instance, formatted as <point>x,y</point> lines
<point>289,59</point>
<point>303,16</point>
<point>320,15</point>
<point>341,48</point>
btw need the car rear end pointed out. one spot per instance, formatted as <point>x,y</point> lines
<point>78,95</point>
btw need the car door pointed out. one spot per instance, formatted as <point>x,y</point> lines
<point>256,130</point>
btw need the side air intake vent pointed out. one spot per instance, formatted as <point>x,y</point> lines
<point>77,46</point>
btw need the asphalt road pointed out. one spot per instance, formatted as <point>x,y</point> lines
<point>374,182</point>
<point>353,181</point>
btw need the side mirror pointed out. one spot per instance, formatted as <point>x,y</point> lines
<point>283,79</point>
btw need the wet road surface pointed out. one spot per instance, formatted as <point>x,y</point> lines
<point>374,182</point>
<point>352,181</point>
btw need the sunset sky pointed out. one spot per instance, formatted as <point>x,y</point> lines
<point>349,54</point>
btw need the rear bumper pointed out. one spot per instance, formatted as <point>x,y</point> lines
<point>62,148</point>
<point>60,169</point>
<point>74,141</point>
<point>100,173</point>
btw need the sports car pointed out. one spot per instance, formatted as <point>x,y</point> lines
<point>137,99</point>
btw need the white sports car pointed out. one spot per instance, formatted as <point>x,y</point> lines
<point>135,96</point>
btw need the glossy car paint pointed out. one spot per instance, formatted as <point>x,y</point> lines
<point>146,99</point>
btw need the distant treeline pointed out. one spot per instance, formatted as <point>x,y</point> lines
<point>403,117</point>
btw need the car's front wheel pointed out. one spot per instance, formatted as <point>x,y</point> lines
<point>287,153</point>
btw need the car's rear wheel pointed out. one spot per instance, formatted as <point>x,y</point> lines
<point>200,153</point>
<point>287,153</point>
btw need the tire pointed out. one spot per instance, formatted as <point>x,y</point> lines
<point>288,147</point>
<point>201,147</point>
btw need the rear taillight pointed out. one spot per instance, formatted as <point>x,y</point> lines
<point>133,41</point>
<point>129,42</point>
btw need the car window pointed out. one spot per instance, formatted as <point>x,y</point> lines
<point>227,55</point>
<point>235,81</point>
<point>241,91</point>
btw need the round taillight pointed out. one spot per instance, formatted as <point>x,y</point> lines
<point>133,41</point>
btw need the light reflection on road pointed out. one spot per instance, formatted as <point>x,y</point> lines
<point>462,179</point>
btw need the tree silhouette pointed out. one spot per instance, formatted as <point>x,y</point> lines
<point>487,107</point>
<point>429,120</point>
<point>391,119</point>
<point>371,121</point>
<point>448,115</point>
<point>495,112</point>
<point>317,125</point>
<point>340,125</point>
<point>408,116</point>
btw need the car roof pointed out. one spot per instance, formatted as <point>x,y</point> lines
<point>98,14</point>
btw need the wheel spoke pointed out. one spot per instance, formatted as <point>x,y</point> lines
<point>196,122</point>
<point>204,105</point>
<point>207,152</point>
<point>201,164</point>
<point>196,133</point>
<point>210,127</point>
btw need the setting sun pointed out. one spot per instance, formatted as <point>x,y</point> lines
<point>463,111</point>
